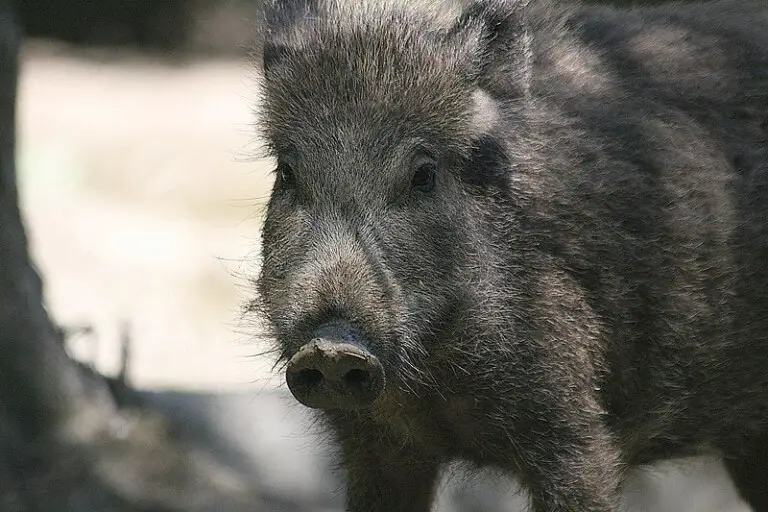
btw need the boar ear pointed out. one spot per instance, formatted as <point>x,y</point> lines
<point>503,62</point>
<point>283,21</point>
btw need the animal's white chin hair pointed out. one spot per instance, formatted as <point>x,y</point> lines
<point>485,113</point>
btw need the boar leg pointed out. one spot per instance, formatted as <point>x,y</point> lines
<point>384,475</point>
<point>571,465</point>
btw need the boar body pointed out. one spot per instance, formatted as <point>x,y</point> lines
<point>547,225</point>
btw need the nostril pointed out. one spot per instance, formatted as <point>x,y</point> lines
<point>356,377</point>
<point>309,377</point>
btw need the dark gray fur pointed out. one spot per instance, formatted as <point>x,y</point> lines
<point>585,291</point>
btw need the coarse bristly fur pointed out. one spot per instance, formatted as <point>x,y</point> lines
<point>585,287</point>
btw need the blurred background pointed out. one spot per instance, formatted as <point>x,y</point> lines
<point>142,191</point>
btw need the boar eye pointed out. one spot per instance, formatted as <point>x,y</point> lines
<point>285,174</point>
<point>424,177</point>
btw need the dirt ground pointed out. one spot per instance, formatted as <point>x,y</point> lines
<point>142,191</point>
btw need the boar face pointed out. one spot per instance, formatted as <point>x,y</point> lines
<point>372,215</point>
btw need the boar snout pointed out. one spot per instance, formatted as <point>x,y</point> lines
<point>333,371</point>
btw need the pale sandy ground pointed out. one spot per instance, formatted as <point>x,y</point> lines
<point>142,200</point>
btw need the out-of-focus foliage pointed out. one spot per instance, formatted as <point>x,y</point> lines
<point>211,26</point>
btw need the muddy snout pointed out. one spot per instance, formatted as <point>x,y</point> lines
<point>330,372</point>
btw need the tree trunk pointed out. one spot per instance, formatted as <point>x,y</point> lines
<point>39,385</point>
